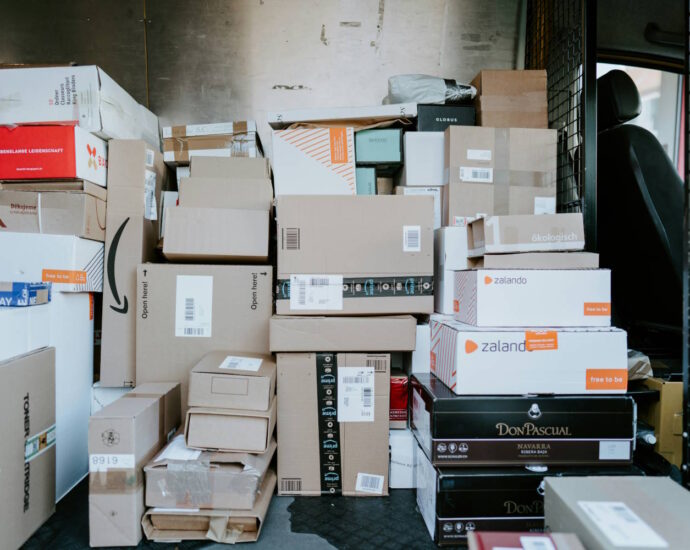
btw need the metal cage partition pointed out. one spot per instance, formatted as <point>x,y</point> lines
<point>686,259</point>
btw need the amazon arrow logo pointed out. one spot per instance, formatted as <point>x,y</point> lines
<point>112,253</point>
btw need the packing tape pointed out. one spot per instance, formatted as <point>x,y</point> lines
<point>502,178</point>
<point>219,530</point>
<point>329,427</point>
<point>374,287</point>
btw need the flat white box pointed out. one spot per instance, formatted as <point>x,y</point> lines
<point>434,192</point>
<point>314,161</point>
<point>403,449</point>
<point>283,119</point>
<point>424,163</point>
<point>85,94</point>
<point>450,255</point>
<point>533,297</point>
<point>70,263</point>
<point>517,361</point>
<point>420,355</point>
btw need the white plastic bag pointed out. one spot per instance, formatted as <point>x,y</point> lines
<point>421,88</point>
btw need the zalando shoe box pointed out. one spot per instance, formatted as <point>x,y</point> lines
<point>533,297</point>
<point>509,361</point>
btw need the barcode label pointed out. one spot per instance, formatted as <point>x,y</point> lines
<point>316,292</point>
<point>536,543</point>
<point>412,238</point>
<point>150,204</point>
<point>193,306</point>
<point>377,363</point>
<point>233,362</point>
<point>355,394</point>
<point>614,450</point>
<point>472,174</point>
<point>149,157</point>
<point>369,483</point>
<point>479,154</point>
<point>621,525</point>
<point>291,485</point>
<point>291,238</point>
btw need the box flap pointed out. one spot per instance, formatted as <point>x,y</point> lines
<point>216,362</point>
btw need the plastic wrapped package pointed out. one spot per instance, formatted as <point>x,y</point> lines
<point>421,88</point>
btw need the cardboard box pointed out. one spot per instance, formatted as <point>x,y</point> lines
<point>233,380</point>
<point>232,167</point>
<point>330,407</point>
<point>86,94</point>
<point>102,396</point>
<point>181,172</point>
<point>520,430</point>
<point>434,192</point>
<point>436,118</point>
<point>341,116</point>
<point>526,233</point>
<point>179,477</point>
<point>216,235</point>
<point>666,416</point>
<point>24,330</point>
<point>403,448</point>
<point>314,161</point>
<point>498,171</point>
<point>230,430</point>
<point>379,146</point>
<point>244,193</point>
<point>27,453</point>
<point>231,309</point>
<point>346,258</point>
<point>418,360</point>
<point>168,394</point>
<point>568,360</point>
<point>225,139</point>
<point>169,199</point>
<point>52,152</point>
<point>24,294</point>
<point>224,526</point>
<point>507,99</point>
<point>398,403</point>
<point>450,255</point>
<point>424,159</point>
<point>382,333</point>
<point>384,186</point>
<point>496,539</point>
<point>365,178</point>
<point>533,297</point>
<point>115,517</point>
<point>608,513</point>
<point>57,212</point>
<point>536,260</point>
<point>136,176</point>
<point>70,263</point>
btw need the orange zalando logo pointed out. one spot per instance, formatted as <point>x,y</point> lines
<point>94,160</point>
<point>471,346</point>
<point>432,360</point>
<point>488,280</point>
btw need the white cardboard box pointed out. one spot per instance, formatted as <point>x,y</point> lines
<point>516,361</point>
<point>450,255</point>
<point>314,161</point>
<point>70,263</point>
<point>533,297</point>
<point>424,162</point>
<point>434,192</point>
<point>420,355</point>
<point>283,119</point>
<point>86,94</point>
<point>403,449</point>
<point>444,292</point>
<point>102,397</point>
<point>23,329</point>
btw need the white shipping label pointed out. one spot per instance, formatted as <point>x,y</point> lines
<point>479,154</point>
<point>356,394</point>
<point>177,450</point>
<point>621,525</point>
<point>476,174</point>
<point>149,157</point>
<point>316,292</point>
<point>233,362</point>
<point>614,450</point>
<point>369,483</point>
<point>536,543</point>
<point>544,205</point>
<point>412,238</point>
<point>150,206</point>
<point>174,510</point>
<point>194,306</point>
<point>105,462</point>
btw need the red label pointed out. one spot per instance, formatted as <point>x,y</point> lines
<point>399,395</point>
<point>37,152</point>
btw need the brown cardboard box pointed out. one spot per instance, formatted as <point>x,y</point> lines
<point>229,167</point>
<point>537,260</point>
<point>384,333</point>
<point>170,398</point>
<point>131,237</point>
<point>224,526</point>
<point>233,380</point>
<point>215,234</point>
<point>614,513</point>
<point>511,99</point>
<point>666,415</point>
<point>27,452</point>
<point>186,311</point>
<point>230,430</point>
<point>245,193</point>
<point>355,255</point>
<point>179,477</point>
<point>498,171</point>
<point>54,209</point>
<point>311,419</point>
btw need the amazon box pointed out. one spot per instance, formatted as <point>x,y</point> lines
<point>243,193</point>
<point>169,395</point>
<point>533,297</point>
<point>27,453</point>
<point>136,177</point>
<point>218,525</point>
<point>476,361</point>
<point>231,167</point>
<point>346,258</point>
<point>233,380</point>
<point>186,311</point>
<point>230,430</point>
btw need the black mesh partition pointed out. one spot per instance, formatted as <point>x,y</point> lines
<point>686,262</point>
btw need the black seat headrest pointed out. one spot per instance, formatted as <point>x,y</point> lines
<point>618,100</point>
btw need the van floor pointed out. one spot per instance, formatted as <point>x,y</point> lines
<point>307,523</point>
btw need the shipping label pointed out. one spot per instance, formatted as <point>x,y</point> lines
<point>194,306</point>
<point>356,394</point>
